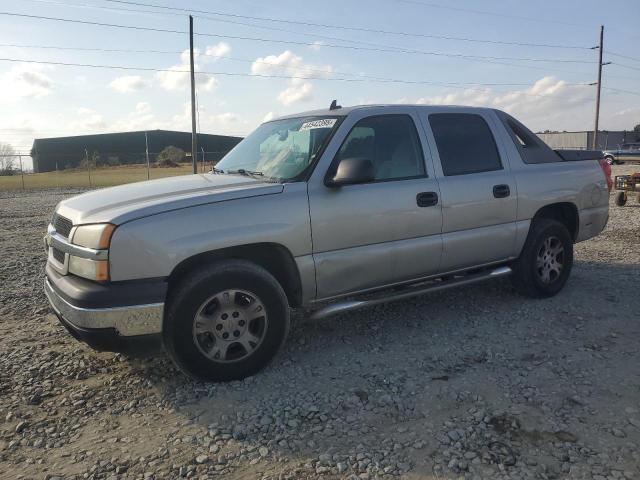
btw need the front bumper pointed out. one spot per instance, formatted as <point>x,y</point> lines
<point>94,313</point>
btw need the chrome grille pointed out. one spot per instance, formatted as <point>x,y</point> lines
<point>62,225</point>
<point>58,255</point>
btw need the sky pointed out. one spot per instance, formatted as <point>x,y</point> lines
<point>358,52</point>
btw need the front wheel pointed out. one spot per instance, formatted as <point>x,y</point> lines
<point>545,261</point>
<point>226,321</point>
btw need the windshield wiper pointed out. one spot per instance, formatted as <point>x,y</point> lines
<point>246,173</point>
<point>216,170</point>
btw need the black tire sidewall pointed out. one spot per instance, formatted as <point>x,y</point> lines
<point>621,199</point>
<point>554,229</point>
<point>186,301</point>
<point>526,278</point>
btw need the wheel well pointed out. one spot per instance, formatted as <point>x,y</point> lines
<point>565,213</point>
<point>273,257</point>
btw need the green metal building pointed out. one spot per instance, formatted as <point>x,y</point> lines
<point>50,154</point>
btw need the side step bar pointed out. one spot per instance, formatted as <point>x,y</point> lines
<point>411,291</point>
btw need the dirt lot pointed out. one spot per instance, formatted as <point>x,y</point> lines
<point>473,383</point>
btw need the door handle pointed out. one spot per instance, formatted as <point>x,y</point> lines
<point>501,191</point>
<point>427,199</point>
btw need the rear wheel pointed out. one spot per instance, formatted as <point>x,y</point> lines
<point>621,199</point>
<point>226,321</point>
<point>546,259</point>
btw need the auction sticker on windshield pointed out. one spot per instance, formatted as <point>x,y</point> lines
<point>323,123</point>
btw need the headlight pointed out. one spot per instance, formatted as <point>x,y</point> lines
<point>97,236</point>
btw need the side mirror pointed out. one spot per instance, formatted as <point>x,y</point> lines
<point>351,171</point>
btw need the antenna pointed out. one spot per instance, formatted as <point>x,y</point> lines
<point>334,105</point>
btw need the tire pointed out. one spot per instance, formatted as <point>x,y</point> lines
<point>234,299</point>
<point>544,265</point>
<point>621,199</point>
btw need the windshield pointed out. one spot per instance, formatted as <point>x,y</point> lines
<point>281,150</point>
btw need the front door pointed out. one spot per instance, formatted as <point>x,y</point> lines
<point>379,233</point>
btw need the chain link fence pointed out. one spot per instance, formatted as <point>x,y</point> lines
<point>91,171</point>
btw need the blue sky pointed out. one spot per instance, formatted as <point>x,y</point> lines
<point>40,100</point>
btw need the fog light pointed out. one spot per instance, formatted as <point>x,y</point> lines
<point>92,269</point>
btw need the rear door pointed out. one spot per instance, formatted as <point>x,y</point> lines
<point>478,191</point>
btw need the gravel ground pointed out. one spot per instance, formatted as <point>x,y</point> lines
<point>473,383</point>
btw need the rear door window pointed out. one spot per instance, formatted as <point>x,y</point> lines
<point>465,143</point>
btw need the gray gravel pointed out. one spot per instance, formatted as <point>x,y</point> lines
<point>473,383</point>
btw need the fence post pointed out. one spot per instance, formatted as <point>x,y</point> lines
<point>86,156</point>
<point>146,146</point>
<point>21,171</point>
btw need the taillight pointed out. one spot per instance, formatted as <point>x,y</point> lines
<point>606,169</point>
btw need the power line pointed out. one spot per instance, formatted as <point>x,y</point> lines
<point>239,74</point>
<point>619,90</point>
<point>625,66</point>
<point>495,14</point>
<point>251,25</point>
<point>635,59</point>
<point>353,47</point>
<point>244,60</point>
<point>347,27</point>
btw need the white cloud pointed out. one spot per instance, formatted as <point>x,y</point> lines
<point>24,81</point>
<point>288,63</point>
<point>143,107</point>
<point>141,118</point>
<point>268,117</point>
<point>87,119</point>
<point>225,123</point>
<point>292,64</point>
<point>128,83</point>
<point>177,78</point>
<point>298,91</point>
<point>316,46</point>
<point>548,103</point>
<point>218,50</point>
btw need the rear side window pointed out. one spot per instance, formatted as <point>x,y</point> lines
<point>465,143</point>
<point>530,147</point>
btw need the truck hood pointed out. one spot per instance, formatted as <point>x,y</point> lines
<point>124,203</point>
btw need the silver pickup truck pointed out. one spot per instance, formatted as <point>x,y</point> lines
<point>329,210</point>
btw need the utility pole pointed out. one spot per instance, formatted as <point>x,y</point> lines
<point>599,86</point>
<point>146,149</point>
<point>194,138</point>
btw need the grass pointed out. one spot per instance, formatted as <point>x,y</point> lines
<point>100,177</point>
